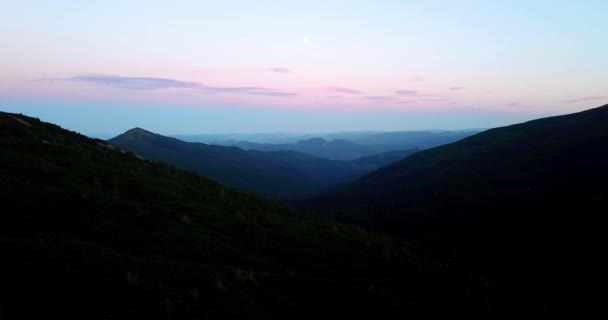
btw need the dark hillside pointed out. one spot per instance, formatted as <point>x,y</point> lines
<point>89,231</point>
<point>520,204</point>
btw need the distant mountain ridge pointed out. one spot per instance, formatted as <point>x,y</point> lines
<point>279,174</point>
<point>409,138</point>
<point>318,147</point>
<point>368,144</point>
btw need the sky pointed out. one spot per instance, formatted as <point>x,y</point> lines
<point>185,67</point>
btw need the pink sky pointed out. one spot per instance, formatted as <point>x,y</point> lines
<point>355,56</point>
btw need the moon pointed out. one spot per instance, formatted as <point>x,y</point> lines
<point>305,40</point>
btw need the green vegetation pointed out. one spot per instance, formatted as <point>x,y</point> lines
<point>90,231</point>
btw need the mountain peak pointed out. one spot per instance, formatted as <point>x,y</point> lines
<point>137,130</point>
<point>136,133</point>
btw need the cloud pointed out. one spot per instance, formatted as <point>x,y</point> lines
<point>256,91</point>
<point>456,88</point>
<point>133,83</point>
<point>343,90</point>
<point>407,92</point>
<point>379,98</point>
<point>437,100</point>
<point>591,98</point>
<point>145,83</point>
<point>512,104</point>
<point>415,79</point>
<point>280,70</point>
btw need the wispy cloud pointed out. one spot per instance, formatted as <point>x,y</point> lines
<point>406,92</point>
<point>436,100</point>
<point>133,83</point>
<point>456,88</point>
<point>379,98</point>
<point>590,98</point>
<point>146,83</point>
<point>256,91</point>
<point>512,104</point>
<point>415,79</point>
<point>343,90</point>
<point>280,70</point>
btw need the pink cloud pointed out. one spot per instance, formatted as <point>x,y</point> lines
<point>406,92</point>
<point>415,79</point>
<point>152,84</point>
<point>379,98</point>
<point>133,83</point>
<point>585,99</point>
<point>343,90</point>
<point>280,70</point>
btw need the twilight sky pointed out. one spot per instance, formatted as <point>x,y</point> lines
<point>178,67</point>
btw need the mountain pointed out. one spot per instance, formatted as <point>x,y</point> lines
<point>367,143</point>
<point>410,139</point>
<point>402,139</point>
<point>520,204</point>
<point>286,175</point>
<point>91,231</point>
<point>318,147</point>
<point>280,174</point>
<point>229,138</point>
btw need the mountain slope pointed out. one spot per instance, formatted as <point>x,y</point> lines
<point>89,231</point>
<point>382,159</point>
<point>280,174</point>
<point>520,204</point>
<point>538,163</point>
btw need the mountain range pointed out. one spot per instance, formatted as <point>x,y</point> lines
<point>281,174</point>
<point>504,222</point>
<point>354,145</point>
<point>89,231</point>
<point>420,137</point>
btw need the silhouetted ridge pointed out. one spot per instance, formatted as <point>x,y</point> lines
<point>142,134</point>
<point>339,147</point>
<point>88,231</point>
<point>286,175</point>
<point>521,204</point>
